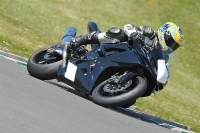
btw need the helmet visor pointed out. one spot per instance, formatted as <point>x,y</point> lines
<point>169,40</point>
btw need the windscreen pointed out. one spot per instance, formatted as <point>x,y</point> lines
<point>170,57</point>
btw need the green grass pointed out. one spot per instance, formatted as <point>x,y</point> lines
<point>26,25</point>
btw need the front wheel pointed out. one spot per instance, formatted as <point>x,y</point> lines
<point>108,95</point>
<point>44,65</point>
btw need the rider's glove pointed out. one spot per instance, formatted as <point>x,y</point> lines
<point>133,34</point>
<point>146,49</point>
<point>138,37</point>
<point>146,43</point>
<point>150,44</point>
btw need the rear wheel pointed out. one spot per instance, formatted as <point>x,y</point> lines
<point>44,65</point>
<point>109,95</point>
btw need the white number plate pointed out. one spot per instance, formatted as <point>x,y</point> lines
<point>71,72</point>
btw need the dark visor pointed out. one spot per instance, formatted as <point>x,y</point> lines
<point>170,41</point>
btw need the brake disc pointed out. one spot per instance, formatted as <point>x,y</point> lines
<point>110,88</point>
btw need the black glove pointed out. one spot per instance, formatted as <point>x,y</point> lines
<point>147,49</point>
<point>149,44</point>
<point>138,37</point>
<point>146,43</point>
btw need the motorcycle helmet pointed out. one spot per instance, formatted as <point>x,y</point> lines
<point>170,35</point>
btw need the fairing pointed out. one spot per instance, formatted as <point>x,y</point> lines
<point>105,60</point>
<point>99,67</point>
<point>88,72</point>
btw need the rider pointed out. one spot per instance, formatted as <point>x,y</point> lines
<point>169,35</point>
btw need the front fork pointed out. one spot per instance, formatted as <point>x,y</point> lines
<point>68,35</point>
<point>125,77</point>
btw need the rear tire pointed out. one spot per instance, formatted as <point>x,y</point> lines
<point>45,71</point>
<point>133,92</point>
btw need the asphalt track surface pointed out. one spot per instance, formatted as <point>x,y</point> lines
<point>29,105</point>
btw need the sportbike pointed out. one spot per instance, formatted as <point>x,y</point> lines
<point>112,74</point>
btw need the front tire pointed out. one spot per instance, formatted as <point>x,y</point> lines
<point>128,104</point>
<point>135,90</point>
<point>42,69</point>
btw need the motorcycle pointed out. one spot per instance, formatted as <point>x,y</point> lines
<point>112,74</point>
